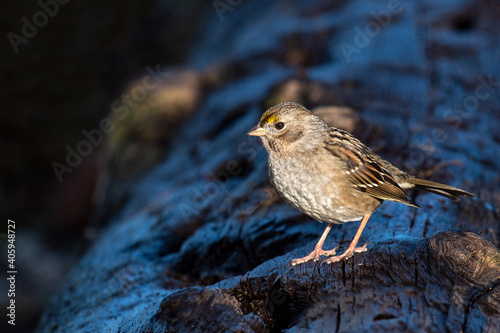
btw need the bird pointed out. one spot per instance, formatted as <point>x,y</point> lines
<point>329,175</point>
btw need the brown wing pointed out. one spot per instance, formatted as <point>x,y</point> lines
<point>363,170</point>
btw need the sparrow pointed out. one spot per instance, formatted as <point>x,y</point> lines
<point>330,175</point>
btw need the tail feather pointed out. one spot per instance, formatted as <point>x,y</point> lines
<point>438,188</point>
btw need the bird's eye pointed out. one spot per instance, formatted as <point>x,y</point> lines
<point>279,125</point>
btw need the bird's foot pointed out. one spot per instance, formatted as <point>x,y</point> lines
<point>348,253</point>
<point>314,255</point>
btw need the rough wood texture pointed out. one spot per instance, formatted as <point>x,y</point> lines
<point>201,244</point>
<point>441,284</point>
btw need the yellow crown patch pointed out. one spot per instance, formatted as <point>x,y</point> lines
<point>269,118</point>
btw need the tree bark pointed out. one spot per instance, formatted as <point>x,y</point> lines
<point>201,242</point>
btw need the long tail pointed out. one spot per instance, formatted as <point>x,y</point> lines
<point>441,189</point>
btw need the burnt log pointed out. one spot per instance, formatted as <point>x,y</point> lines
<point>446,283</point>
<point>200,242</point>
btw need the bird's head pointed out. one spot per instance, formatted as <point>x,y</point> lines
<point>288,126</point>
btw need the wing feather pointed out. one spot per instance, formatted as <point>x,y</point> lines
<point>363,169</point>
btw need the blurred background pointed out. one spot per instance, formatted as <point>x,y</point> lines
<point>83,56</point>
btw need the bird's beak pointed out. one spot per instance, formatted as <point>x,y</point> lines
<point>257,131</point>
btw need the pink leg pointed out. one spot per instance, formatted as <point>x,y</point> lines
<point>318,249</point>
<point>352,247</point>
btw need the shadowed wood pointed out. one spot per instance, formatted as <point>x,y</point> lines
<point>189,251</point>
